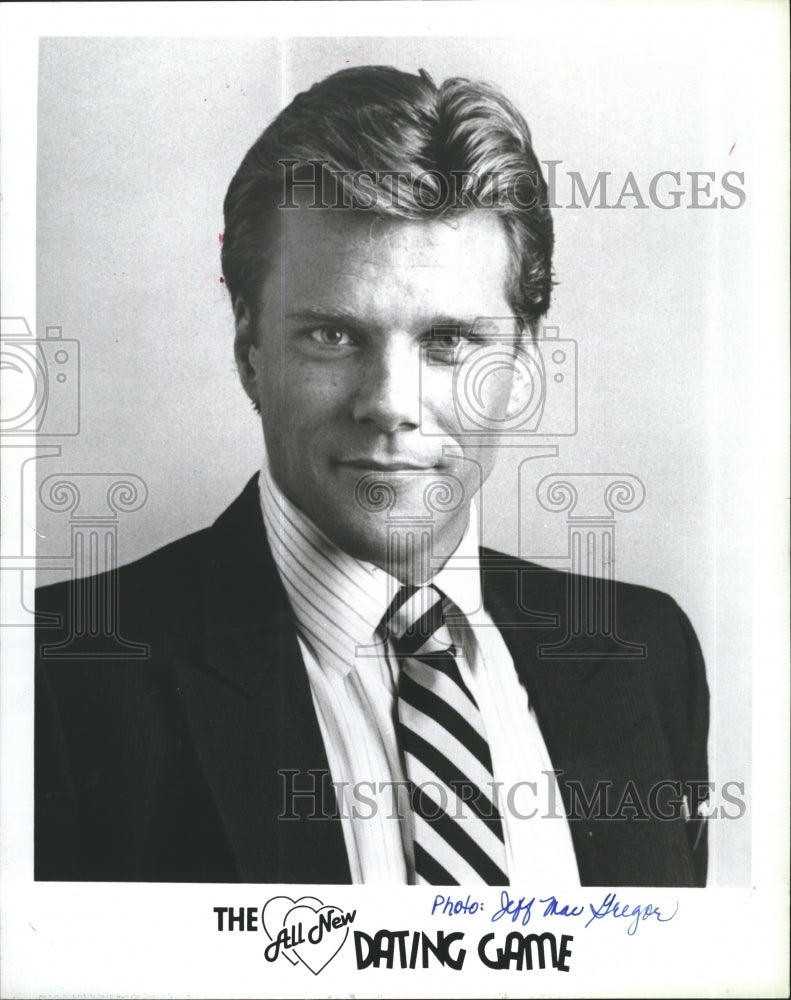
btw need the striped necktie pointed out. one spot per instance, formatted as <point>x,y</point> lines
<point>458,836</point>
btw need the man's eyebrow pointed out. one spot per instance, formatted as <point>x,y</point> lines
<point>481,323</point>
<point>334,314</point>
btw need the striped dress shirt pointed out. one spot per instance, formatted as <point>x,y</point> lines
<point>338,603</point>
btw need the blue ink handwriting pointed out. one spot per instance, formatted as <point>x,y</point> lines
<point>521,910</point>
<point>611,907</point>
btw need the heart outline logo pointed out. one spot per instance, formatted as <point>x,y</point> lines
<point>319,941</point>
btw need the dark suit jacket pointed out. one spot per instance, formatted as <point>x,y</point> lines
<point>165,767</point>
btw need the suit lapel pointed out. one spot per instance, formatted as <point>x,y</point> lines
<point>602,731</point>
<point>251,716</point>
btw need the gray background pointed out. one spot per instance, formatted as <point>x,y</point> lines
<point>137,141</point>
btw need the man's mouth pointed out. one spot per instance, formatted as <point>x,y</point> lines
<point>366,464</point>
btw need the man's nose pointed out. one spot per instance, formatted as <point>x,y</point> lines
<point>389,393</point>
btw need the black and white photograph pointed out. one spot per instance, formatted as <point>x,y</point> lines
<point>394,451</point>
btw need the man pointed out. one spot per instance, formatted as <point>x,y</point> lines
<point>340,685</point>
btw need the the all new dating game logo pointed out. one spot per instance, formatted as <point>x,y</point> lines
<point>500,932</point>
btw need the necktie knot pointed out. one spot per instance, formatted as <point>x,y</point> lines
<point>415,622</point>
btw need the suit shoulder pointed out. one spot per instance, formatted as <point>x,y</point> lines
<point>557,582</point>
<point>160,576</point>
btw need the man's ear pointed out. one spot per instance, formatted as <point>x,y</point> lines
<point>245,345</point>
<point>523,385</point>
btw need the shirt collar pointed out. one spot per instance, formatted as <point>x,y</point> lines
<point>338,601</point>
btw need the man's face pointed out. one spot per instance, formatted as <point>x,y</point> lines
<point>351,395</point>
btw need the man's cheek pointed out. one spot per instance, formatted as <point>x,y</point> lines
<point>473,465</point>
<point>313,394</point>
<point>437,402</point>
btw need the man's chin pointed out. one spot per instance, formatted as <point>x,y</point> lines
<point>370,537</point>
<point>402,538</point>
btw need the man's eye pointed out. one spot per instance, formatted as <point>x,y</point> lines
<point>449,345</point>
<point>331,336</point>
<point>445,337</point>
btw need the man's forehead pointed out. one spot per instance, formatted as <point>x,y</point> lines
<point>372,225</point>
<point>336,237</point>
